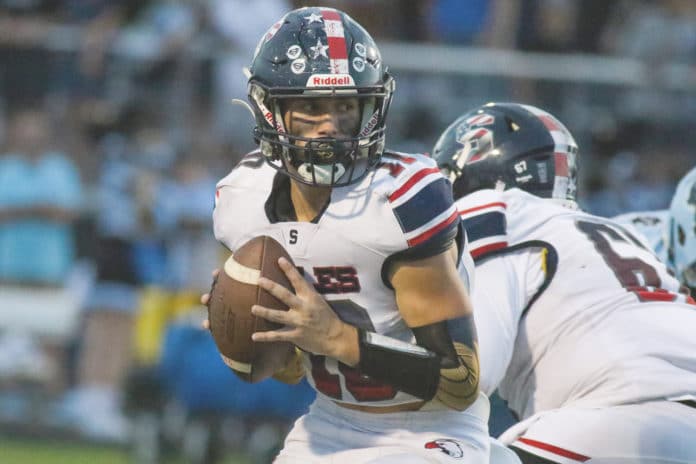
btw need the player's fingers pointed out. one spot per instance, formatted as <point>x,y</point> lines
<point>280,292</point>
<point>205,298</point>
<point>205,324</point>
<point>273,315</point>
<point>298,282</point>
<point>281,335</point>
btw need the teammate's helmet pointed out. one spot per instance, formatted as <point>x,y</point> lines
<point>317,53</point>
<point>682,230</point>
<point>506,145</point>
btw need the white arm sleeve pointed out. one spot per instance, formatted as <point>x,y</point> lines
<point>504,286</point>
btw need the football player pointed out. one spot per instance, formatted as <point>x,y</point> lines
<point>382,320</point>
<point>672,233</point>
<point>581,328</point>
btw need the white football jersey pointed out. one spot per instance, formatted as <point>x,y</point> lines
<point>571,308</point>
<point>650,225</point>
<point>401,207</point>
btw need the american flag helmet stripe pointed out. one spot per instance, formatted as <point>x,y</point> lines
<point>338,52</point>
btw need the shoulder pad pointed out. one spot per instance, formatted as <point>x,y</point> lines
<point>240,175</point>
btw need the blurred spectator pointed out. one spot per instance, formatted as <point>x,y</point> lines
<point>105,343</point>
<point>183,217</point>
<point>658,34</point>
<point>80,78</point>
<point>238,34</point>
<point>458,22</point>
<point>663,31</point>
<point>40,194</point>
<point>130,254</point>
<point>392,19</point>
<point>502,24</point>
<point>154,62</point>
<point>637,184</point>
<point>25,26</point>
<point>592,19</point>
<point>547,25</point>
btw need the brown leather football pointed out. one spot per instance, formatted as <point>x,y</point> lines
<point>229,310</point>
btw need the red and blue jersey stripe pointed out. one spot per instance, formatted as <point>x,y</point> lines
<point>486,228</point>
<point>423,205</point>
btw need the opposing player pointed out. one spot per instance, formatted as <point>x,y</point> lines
<point>672,233</point>
<point>581,328</point>
<point>383,321</point>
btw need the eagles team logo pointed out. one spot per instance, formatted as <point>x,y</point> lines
<point>451,448</point>
<point>298,66</point>
<point>479,120</point>
<point>358,64</point>
<point>475,139</point>
<point>294,52</point>
<point>476,144</point>
<point>360,49</point>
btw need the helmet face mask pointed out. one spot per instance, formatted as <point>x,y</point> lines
<point>319,53</point>
<point>506,145</point>
<point>682,231</point>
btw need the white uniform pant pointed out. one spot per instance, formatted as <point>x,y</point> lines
<point>656,432</point>
<point>329,433</point>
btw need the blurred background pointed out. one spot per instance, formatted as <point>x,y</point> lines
<point>116,122</point>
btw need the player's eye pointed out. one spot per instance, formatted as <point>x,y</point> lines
<point>346,106</point>
<point>306,106</point>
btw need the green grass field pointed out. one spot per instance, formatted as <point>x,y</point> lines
<point>23,451</point>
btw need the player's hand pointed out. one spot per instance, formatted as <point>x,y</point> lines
<point>205,298</point>
<point>310,323</point>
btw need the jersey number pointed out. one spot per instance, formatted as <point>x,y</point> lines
<point>362,388</point>
<point>634,274</point>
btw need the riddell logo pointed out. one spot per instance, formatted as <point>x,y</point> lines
<point>330,80</point>
<point>271,120</point>
<point>370,124</point>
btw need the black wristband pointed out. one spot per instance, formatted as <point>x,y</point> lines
<point>406,367</point>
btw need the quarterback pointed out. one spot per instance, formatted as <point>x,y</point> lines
<point>382,321</point>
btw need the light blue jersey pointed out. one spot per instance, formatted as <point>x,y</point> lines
<point>652,228</point>
<point>37,249</point>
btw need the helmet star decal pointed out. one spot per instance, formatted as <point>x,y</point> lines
<point>319,49</point>
<point>313,18</point>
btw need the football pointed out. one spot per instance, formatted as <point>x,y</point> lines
<point>229,310</point>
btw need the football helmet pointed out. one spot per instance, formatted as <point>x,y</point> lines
<point>506,145</point>
<point>317,52</point>
<point>681,250</point>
